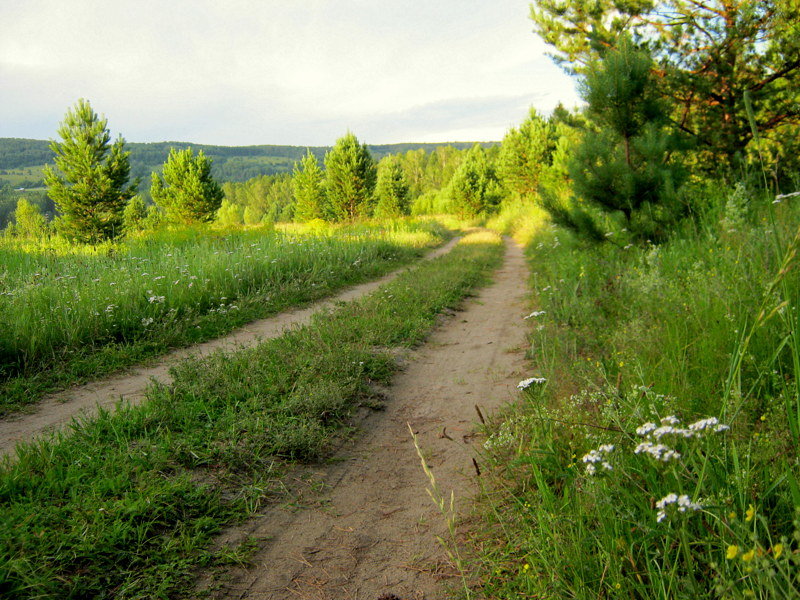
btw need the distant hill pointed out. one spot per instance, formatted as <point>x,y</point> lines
<point>21,159</point>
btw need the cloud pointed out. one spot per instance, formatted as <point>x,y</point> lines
<point>300,72</point>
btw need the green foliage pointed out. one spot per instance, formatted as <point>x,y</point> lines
<point>134,217</point>
<point>392,190</point>
<point>474,188</point>
<point>707,54</point>
<point>703,325</point>
<point>28,220</point>
<point>625,165</point>
<point>230,214</point>
<point>91,188</point>
<point>525,154</point>
<point>350,179</point>
<point>308,184</point>
<point>186,190</point>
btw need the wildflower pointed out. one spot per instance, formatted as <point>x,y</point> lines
<point>750,513</point>
<point>645,429</point>
<point>526,383</point>
<point>534,314</point>
<point>777,550</point>
<point>595,457</point>
<point>683,503</point>
<point>748,556</point>
<point>658,451</point>
<point>732,552</point>
<point>147,321</point>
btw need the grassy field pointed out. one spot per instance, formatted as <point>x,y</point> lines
<point>656,453</point>
<point>68,312</point>
<point>127,504</point>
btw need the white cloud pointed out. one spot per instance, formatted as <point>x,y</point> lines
<point>299,72</point>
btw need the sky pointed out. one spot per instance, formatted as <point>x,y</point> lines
<point>295,72</point>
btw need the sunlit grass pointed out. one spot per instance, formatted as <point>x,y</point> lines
<point>62,303</point>
<point>583,498</point>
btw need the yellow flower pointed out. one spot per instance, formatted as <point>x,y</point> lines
<point>777,550</point>
<point>732,552</point>
<point>732,515</point>
<point>751,512</point>
<point>617,586</point>
<point>763,417</point>
<point>748,556</point>
<point>525,567</point>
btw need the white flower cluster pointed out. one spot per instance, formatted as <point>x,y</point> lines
<point>534,314</point>
<point>669,426</point>
<point>657,451</point>
<point>682,502</point>
<point>526,383</point>
<point>598,457</point>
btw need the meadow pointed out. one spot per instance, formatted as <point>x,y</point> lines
<point>126,505</point>
<point>73,311</point>
<point>655,446</point>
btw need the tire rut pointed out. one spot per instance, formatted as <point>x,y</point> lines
<point>371,532</point>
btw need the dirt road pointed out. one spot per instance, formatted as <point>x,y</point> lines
<point>58,410</point>
<point>369,532</point>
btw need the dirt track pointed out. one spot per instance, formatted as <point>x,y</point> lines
<point>369,532</point>
<point>58,410</point>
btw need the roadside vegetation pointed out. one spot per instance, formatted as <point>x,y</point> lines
<point>71,312</point>
<point>125,505</point>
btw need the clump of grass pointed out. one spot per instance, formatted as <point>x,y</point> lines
<point>126,504</point>
<point>618,476</point>
<point>72,313</point>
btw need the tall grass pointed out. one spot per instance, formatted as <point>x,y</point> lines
<point>64,304</point>
<point>619,476</point>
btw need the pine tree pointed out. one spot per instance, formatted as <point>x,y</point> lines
<point>624,164</point>
<point>474,188</point>
<point>186,191</point>
<point>91,188</point>
<point>308,185</point>
<point>350,179</point>
<point>392,190</point>
<point>525,154</point>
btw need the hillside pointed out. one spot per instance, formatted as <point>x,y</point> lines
<point>21,159</point>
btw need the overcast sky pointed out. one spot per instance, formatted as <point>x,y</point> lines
<point>299,72</point>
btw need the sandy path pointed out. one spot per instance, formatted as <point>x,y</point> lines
<point>370,533</point>
<point>58,410</point>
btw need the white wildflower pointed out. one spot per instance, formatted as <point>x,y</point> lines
<point>598,457</point>
<point>526,383</point>
<point>682,503</point>
<point>658,451</point>
<point>646,428</point>
<point>148,321</point>
<point>534,314</point>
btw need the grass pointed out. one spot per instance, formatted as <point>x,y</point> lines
<point>68,313</point>
<point>126,505</point>
<point>704,326</point>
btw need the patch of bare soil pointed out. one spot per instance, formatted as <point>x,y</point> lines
<point>58,410</point>
<point>369,530</point>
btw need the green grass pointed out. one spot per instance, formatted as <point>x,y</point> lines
<point>71,312</point>
<point>703,326</point>
<point>127,504</point>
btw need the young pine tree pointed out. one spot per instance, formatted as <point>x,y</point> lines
<point>474,188</point>
<point>525,155</point>
<point>350,179</point>
<point>392,190</point>
<point>91,186</point>
<point>186,191</point>
<point>625,164</point>
<point>308,185</point>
